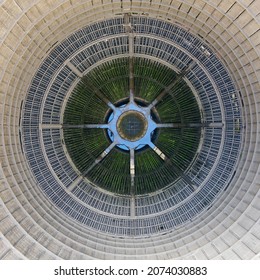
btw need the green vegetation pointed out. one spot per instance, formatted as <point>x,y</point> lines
<point>84,145</point>
<point>113,173</point>
<point>152,172</point>
<point>84,106</point>
<point>111,79</point>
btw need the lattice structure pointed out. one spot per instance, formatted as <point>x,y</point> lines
<point>49,210</point>
<point>190,191</point>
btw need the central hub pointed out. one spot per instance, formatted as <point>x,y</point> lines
<point>132,125</point>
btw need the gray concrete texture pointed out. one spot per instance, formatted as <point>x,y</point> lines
<point>32,228</point>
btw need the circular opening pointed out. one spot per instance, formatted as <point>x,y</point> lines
<point>188,165</point>
<point>132,126</point>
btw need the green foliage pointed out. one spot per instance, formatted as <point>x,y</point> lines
<point>111,80</point>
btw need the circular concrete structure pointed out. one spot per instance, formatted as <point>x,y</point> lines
<point>217,34</point>
<point>132,125</point>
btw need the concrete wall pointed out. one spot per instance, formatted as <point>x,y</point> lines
<point>29,225</point>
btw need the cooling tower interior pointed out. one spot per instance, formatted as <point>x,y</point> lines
<point>130,129</point>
